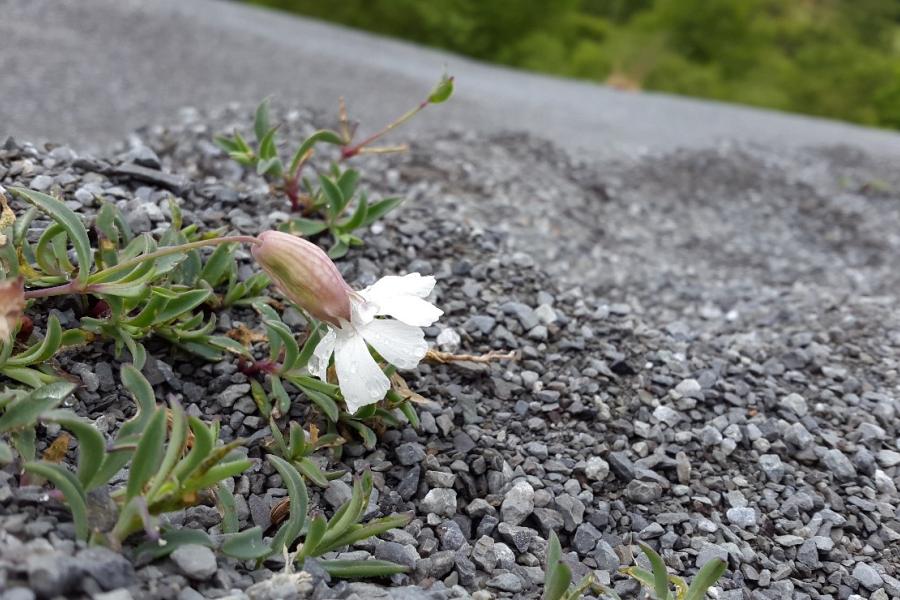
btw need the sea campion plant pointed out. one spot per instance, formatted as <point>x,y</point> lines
<point>323,206</point>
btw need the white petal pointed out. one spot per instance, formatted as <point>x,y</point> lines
<point>360,378</point>
<point>390,286</point>
<point>400,344</point>
<point>403,299</point>
<point>318,362</point>
<point>411,310</point>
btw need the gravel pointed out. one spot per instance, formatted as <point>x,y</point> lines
<point>707,349</point>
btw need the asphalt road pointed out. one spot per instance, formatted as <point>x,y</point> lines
<point>86,72</point>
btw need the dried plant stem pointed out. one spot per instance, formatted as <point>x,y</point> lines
<point>448,357</point>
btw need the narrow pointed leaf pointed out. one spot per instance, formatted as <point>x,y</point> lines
<point>148,455</point>
<point>71,489</point>
<point>707,577</point>
<point>355,569</point>
<point>26,411</point>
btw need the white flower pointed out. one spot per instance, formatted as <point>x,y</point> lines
<point>399,340</point>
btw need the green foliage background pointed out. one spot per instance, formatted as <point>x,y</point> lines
<point>833,58</point>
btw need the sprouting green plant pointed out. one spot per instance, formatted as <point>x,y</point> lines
<point>172,460</point>
<point>300,445</point>
<point>131,287</point>
<point>657,581</point>
<point>323,205</point>
<point>558,575</point>
<point>319,535</point>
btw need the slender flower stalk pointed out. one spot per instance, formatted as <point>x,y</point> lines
<point>77,287</point>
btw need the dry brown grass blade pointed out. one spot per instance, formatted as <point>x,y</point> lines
<point>401,387</point>
<point>448,357</point>
<point>170,420</point>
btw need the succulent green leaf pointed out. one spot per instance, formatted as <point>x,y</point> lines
<point>659,570</point>
<point>172,540</point>
<point>140,389</point>
<point>355,569</point>
<point>174,447</point>
<point>338,249</point>
<point>356,533</point>
<point>333,195</point>
<point>25,411</point>
<point>368,436</point>
<point>182,303</point>
<point>69,221</point>
<point>261,398</point>
<point>311,471</point>
<point>379,209</point>
<point>71,489</point>
<point>91,445</point>
<point>246,545</point>
<point>315,531</point>
<point>299,500</point>
<point>557,581</point>
<point>554,550</point>
<point>148,456</point>
<point>707,577</point>
<point>6,455</point>
<point>325,403</point>
<point>43,351</point>
<point>261,125</point>
<point>204,441</point>
<point>218,265</point>
<point>347,183</point>
<point>409,411</point>
<point>282,400</point>
<point>228,508</point>
<point>306,227</point>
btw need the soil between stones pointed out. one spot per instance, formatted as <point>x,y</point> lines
<point>709,345</point>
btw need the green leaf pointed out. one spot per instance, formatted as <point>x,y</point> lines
<point>204,441</point>
<point>226,343</point>
<point>174,448</point>
<point>311,471</point>
<point>299,500</point>
<point>379,209</point>
<point>148,455</point>
<point>325,403</point>
<point>338,249</point>
<point>309,346</point>
<point>354,569</point>
<point>69,221</point>
<point>282,400</point>
<point>6,455</point>
<point>660,572</point>
<point>261,399</point>
<point>139,388</point>
<point>71,489</point>
<point>26,411</point>
<point>217,266</point>
<point>228,508</point>
<point>358,218</point>
<point>246,545</point>
<point>323,135</point>
<point>707,577</point>
<point>43,351</point>
<point>442,91</point>
<point>171,541</point>
<point>368,436</point>
<point>181,304</point>
<point>281,332</point>
<point>91,444</point>
<point>409,411</point>
<point>314,534</point>
<point>374,528</point>
<point>336,200</point>
<point>306,227</point>
<point>261,124</point>
<point>347,183</point>
<point>217,473</point>
<point>554,551</point>
<point>557,581</point>
<point>30,377</point>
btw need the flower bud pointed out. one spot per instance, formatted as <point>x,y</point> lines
<point>304,274</point>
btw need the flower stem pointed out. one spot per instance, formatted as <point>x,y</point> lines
<point>169,250</point>
<point>76,287</point>
<point>351,151</point>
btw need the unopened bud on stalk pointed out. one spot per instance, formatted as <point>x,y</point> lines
<point>305,275</point>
